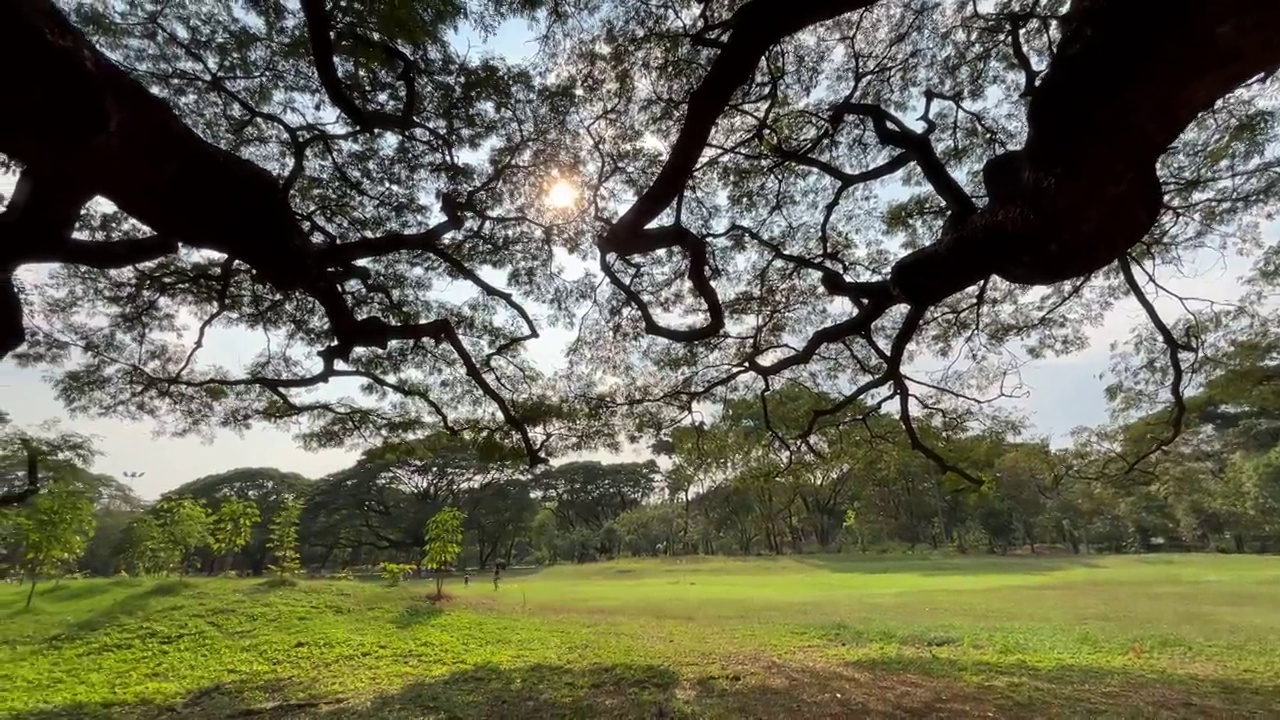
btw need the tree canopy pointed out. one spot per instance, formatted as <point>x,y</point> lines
<point>719,196</point>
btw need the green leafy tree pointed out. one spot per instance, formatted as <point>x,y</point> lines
<point>28,457</point>
<point>284,538</point>
<point>267,488</point>
<point>544,534</point>
<point>298,195</point>
<point>115,507</point>
<point>51,530</point>
<point>231,527</point>
<point>395,573</point>
<point>145,549</point>
<point>1254,484</point>
<point>381,503</point>
<point>498,512</point>
<point>590,494</point>
<point>183,524</point>
<point>444,543</point>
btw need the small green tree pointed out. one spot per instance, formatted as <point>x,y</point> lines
<point>184,526</point>
<point>145,549</point>
<point>284,538</point>
<point>854,528</point>
<point>545,535</point>
<point>52,529</point>
<point>395,573</point>
<point>231,528</point>
<point>444,543</point>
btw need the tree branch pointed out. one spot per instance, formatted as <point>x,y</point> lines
<point>891,131</point>
<point>320,35</point>
<point>33,478</point>
<point>756,26</point>
<point>1178,410</point>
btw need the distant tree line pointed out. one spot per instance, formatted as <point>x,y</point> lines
<point>728,486</point>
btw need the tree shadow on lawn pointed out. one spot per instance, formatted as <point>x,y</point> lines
<point>421,611</point>
<point>218,700</point>
<point>753,688</point>
<point>775,689</point>
<point>133,604</point>
<point>66,591</point>
<point>947,565</point>
<point>71,590</point>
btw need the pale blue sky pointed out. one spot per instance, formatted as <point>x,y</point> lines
<point>1064,392</point>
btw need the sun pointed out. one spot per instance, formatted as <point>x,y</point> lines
<point>562,194</point>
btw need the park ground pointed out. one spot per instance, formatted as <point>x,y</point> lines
<point>1166,636</point>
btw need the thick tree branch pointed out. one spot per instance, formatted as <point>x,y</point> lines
<point>102,255</point>
<point>1124,82</point>
<point>756,26</point>
<point>85,128</point>
<point>1175,347</point>
<point>32,486</point>
<point>891,131</point>
<point>323,51</point>
<point>696,250</point>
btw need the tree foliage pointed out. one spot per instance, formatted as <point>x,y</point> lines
<point>283,543</point>
<point>231,526</point>
<point>184,524</point>
<point>26,455</point>
<point>50,531</point>
<point>444,543</point>
<point>267,489</point>
<point>843,194</point>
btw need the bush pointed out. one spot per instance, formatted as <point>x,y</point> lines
<point>394,573</point>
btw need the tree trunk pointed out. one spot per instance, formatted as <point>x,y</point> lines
<point>1124,82</point>
<point>685,539</point>
<point>942,521</point>
<point>324,561</point>
<point>32,591</point>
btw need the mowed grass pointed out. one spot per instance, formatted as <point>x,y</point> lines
<point>1157,636</point>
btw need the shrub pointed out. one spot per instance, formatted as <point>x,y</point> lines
<point>393,573</point>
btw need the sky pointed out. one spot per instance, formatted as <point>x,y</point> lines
<point>1063,392</point>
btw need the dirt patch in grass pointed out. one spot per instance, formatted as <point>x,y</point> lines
<point>811,688</point>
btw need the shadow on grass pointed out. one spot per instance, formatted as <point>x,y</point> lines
<point>136,603</point>
<point>217,700</point>
<point>422,611</point>
<point>947,565</point>
<point>766,688</point>
<point>72,590</point>
<point>274,583</point>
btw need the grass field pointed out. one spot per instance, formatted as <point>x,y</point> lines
<point>1160,636</point>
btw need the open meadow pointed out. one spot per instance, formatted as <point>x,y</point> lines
<point>1191,635</point>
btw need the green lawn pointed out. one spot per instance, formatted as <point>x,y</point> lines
<point>812,637</point>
